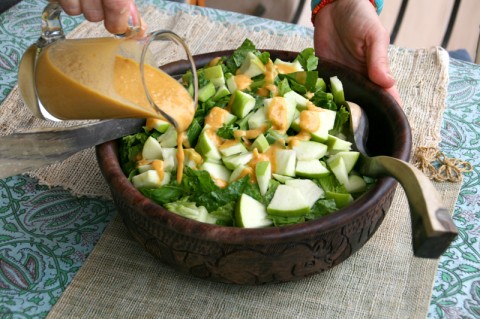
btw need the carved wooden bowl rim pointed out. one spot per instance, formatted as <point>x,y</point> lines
<point>359,89</point>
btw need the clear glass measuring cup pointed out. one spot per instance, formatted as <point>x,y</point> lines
<point>103,78</point>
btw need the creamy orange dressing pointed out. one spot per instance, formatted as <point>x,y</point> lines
<point>301,136</point>
<point>277,113</point>
<point>214,61</point>
<point>268,155</point>
<point>311,106</point>
<point>86,79</point>
<point>150,123</point>
<point>270,72</point>
<point>246,171</point>
<point>180,157</point>
<point>242,81</point>
<point>249,134</point>
<point>158,166</point>
<point>220,182</point>
<point>212,134</point>
<point>169,95</point>
<point>227,144</point>
<point>216,117</point>
<point>269,88</point>
<point>309,121</point>
<point>192,155</point>
<point>285,68</point>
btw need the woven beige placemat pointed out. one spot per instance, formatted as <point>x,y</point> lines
<point>382,280</point>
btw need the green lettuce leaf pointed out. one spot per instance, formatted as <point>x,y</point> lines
<point>279,221</point>
<point>322,207</point>
<point>234,61</point>
<point>163,195</point>
<point>340,120</point>
<point>190,210</point>
<point>197,182</point>
<point>307,59</point>
<point>226,131</point>
<point>130,146</point>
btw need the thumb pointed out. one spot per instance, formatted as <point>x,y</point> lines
<point>377,62</point>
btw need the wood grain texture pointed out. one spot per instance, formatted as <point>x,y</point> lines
<point>276,254</point>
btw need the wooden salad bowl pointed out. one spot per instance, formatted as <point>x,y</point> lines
<point>275,254</point>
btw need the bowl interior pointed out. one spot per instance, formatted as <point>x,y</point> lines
<point>389,135</point>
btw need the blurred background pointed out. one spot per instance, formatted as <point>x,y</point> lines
<point>451,24</point>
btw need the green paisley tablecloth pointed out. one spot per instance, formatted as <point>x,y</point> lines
<point>46,233</point>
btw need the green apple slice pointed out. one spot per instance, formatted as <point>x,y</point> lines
<point>169,138</point>
<point>192,158</point>
<point>151,149</point>
<point>218,116</point>
<point>230,82</point>
<point>341,199</point>
<point>263,172</point>
<point>260,143</point>
<point>337,166</point>
<point>251,66</point>
<point>207,146</point>
<point>222,91</point>
<point>242,103</point>
<point>250,213</point>
<point>258,119</point>
<point>144,167</point>
<point>206,92</point>
<point>215,75</point>
<point>158,124</point>
<point>232,149</point>
<point>239,172</point>
<point>309,150</point>
<point>290,104</point>
<point>327,122</point>
<point>281,178</point>
<point>288,202</point>
<point>169,159</point>
<point>296,122</point>
<point>150,179</point>
<point>232,162</point>
<point>355,184</point>
<point>285,162</point>
<point>320,84</point>
<point>310,191</point>
<point>337,144</point>
<point>299,100</point>
<point>216,171</point>
<point>349,158</point>
<point>275,137</point>
<point>311,169</point>
<point>337,90</point>
<point>285,67</point>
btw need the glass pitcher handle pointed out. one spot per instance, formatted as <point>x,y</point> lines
<point>51,25</point>
<point>51,31</point>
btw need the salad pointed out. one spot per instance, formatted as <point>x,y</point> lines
<point>265,147</point>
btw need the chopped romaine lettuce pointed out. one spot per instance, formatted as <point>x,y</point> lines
<point>212,199</point>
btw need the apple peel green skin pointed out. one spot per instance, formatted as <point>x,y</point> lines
<point>250,213</point>
<point>288,202</point>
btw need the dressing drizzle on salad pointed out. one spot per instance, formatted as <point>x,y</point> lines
<point>265,146</point>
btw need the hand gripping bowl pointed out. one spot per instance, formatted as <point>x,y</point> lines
<point>276,254</point>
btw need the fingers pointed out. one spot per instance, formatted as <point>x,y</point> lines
<point>377,58</point>
<point>71,7</point>
<point>92,10</point>
<point>116,14</point>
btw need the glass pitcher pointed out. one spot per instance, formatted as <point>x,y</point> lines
<point>102,78</point>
